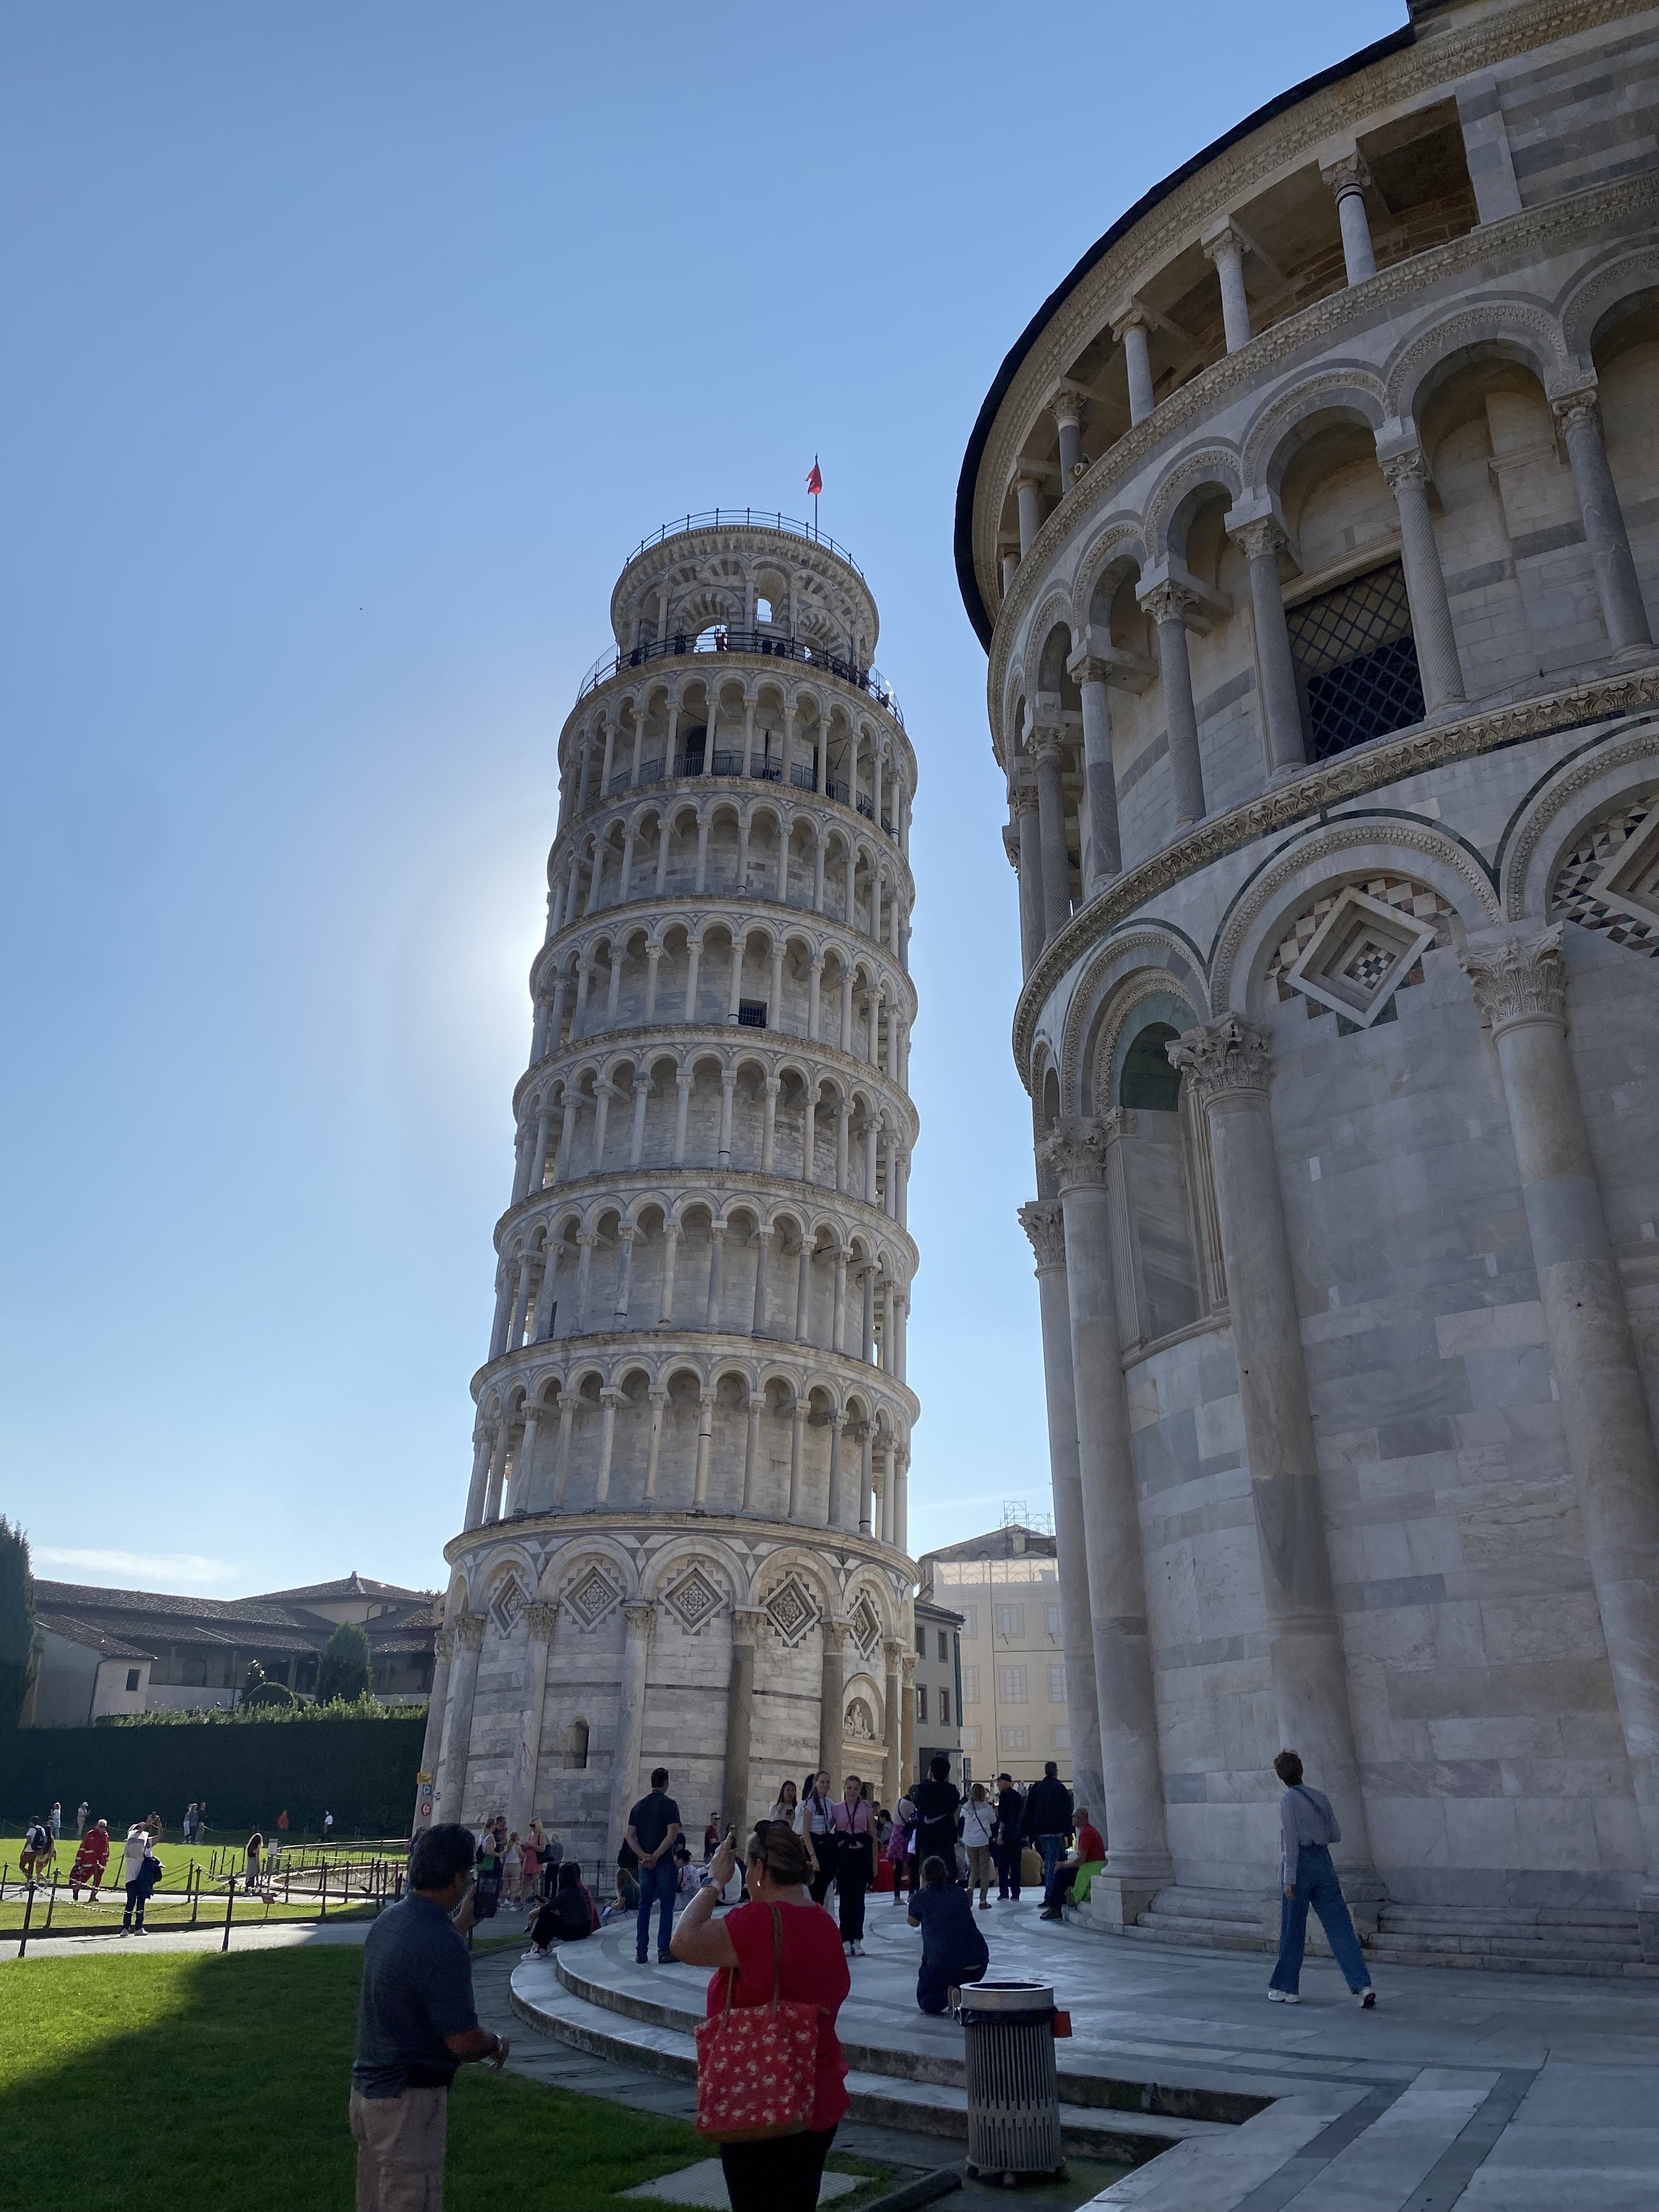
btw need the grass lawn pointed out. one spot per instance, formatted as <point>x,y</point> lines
<point>167,1906</point>
<point>153,2080</point>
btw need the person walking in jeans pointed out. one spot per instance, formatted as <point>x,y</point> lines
<point>1048,1819</point>
<point>654,1829</point>
<point>1308,1828</point>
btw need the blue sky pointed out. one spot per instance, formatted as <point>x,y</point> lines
<point>349,351</point>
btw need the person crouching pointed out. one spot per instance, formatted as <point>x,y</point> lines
<point>952,1949</point>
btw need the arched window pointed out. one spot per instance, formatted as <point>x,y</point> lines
<point>575,1744</point>
<point>1148,1079</point>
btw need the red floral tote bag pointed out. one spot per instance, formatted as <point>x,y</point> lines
<point>757,2064</point>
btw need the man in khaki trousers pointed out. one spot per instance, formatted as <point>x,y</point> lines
<point>416,2024</point>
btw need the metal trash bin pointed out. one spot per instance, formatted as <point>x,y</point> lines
<point>1013,2086</point>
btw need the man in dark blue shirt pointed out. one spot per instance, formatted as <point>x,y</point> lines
<point>416,2024</point>
<point>654,1829</point>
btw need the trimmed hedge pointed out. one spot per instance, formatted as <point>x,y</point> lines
<point>361,1771</point>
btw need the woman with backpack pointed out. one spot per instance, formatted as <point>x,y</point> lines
<point>569,1915</point>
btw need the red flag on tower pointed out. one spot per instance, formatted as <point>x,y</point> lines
<point>814,482</point>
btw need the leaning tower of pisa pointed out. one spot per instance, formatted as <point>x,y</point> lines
<point>684,1537</point>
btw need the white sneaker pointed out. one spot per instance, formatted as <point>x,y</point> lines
<point>1283,1997</point>
<point>1366,2000</point>
<point>847,1948</point>
<point>858,1950</point>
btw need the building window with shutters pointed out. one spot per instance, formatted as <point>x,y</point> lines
<point>1051,1620</point>
<point>970,1686</point>
<point>921,1701</point>
<point>1010,1621</point>
<point>1016,1739</point>
<point>1010,1684</point>
<point>1057,1685</point>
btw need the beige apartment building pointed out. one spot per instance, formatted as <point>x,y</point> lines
<point>1006,1585</point>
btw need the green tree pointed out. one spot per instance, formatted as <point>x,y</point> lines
<point>345,1662</point>
<point>17,1654</point>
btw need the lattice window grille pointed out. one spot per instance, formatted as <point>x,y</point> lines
<point>1356,661</point>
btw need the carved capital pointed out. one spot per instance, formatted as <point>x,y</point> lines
<point>1263,538</point>
<point>1518,977</point>
<point>1077,1154</point>
<point>1010,845</point>
<point>1225,1057</point>
<point>1168,601</point>
<point>893,1648</point>
<point>1403,470</point>
<point>1223,238</point>
<point>1044,1223</point>
<point>542,1620</point>
<point>1571,408</point>
<point>443,1643</point>
<point>469,1633</point>
<point>747,1622</point>
<point>1346,174</point>
<point>1067,406</point>
<point>640,1620</point>
<point>1045,742</point>
<point>1022,799</point>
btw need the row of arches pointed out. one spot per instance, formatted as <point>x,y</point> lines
<point>714,847</point>
<point>707,1111</point>
<point>704,1261</point>
<point>631,736</point>
<point>1473,517</point>
<point>741,971</point>
<point>673,1432</point>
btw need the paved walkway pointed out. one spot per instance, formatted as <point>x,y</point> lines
<point>1495,2092</point>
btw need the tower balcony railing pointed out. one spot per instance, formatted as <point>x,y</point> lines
<point>744,518</point>
<point>722,638</point>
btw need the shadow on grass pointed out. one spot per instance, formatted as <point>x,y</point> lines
<point>143,2080</point>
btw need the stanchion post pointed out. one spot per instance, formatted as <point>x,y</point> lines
<point>230,1900</point>
<point>29,1914</point>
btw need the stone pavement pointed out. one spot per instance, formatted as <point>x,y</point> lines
<point>1496,2093</point>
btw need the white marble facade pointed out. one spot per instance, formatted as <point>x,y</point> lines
<point>1313,535</point>
<point>684,1540</point>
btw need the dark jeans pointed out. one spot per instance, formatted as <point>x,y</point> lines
<point>658,1886</point>
<point>934,1985</point>
<point>824,1852</point>
<point>780,2173</point>
<point>1053,1849</point>
<point>1316,1885</point>
<point>853,1879</point>
<point>138,1898</point>
<point>1008,1869</point>
<point>1059,1887</point>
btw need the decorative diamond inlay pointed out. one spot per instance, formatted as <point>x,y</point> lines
<point>694,1600</point>
<point>594,1597</point>
<point>790,1609</point>
<point>1610,880</point>
<point>1355,950</point>
<point>866,1628</point>
<point>508,1602</point>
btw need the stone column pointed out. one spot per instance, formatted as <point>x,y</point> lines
<point>866,1475</point>
<point>908,1723</point>
<point>639,1623</point>
<point>832,1697</point>
<point>1520,980</point>
<point>1131,1782</point>
<point>492,1510</point>
<point>739,1721</point>
<point>1130,332</point>
<point>643,1088</point>
<point>1261,539</point>
<point>625,1237</point>
<point>671,1238</point>
<point>1067,407</point>
<point>1620,594</point>
<point>1100,776</point>
<point>1223,248</point>
<point>458,1727</point>
<point>1027,500</point>
<point>1442,672</point>
<point>892,1772</point>
<point>521,1787</point>
<point>610,1399</point>
<point>757,1314</point>
<point>476,1488</point>
<point>1044,1222</point>
<point>654,1448</point>
<point>1051,830</point>
<point>837,1508</point>
<point>561,1462</point>
<point>443,1647</point>
<point>523,1460</point>
<point>1168,603</point>
<point>757,1407</point>
<point>1348,178</point>
<point>705,1439</point>
<point>1022,804</point>
<point>1227,1064</point>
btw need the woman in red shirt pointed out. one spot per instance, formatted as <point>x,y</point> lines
<point>780,2173</point>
